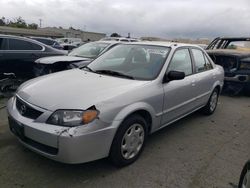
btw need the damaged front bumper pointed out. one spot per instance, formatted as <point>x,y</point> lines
<point>65,144</point>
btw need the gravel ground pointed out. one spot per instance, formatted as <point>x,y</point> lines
<point>197,151</point>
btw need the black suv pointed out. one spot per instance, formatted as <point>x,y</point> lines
<point>18,54</point>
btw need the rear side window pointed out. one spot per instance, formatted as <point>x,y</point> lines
<point>200,62</point>
<point>16,44</point>
<point>181,61</point>
<point>208,63</point>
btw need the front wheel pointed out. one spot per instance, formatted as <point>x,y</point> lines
<point>212,103</point>
<point>129,141</point>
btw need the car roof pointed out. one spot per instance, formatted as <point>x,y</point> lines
<point>233,38</point>
<point>41,38</point>
<point>163,43</point>
<point>107,42</point>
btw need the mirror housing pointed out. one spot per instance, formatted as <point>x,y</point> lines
<point>173,75</point>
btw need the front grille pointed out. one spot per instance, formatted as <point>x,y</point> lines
<point>26,110</point>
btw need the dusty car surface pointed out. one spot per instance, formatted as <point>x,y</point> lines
<point>233,54</point>
<point>245,176</point>
<point>78,57</point>
<point>109,107</point>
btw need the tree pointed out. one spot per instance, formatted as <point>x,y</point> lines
<point>115,35</point>
<point>2,21</point>
<point>32,26</point>
<point>18,22</point>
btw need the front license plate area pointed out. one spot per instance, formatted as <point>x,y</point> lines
<point>16,128</point>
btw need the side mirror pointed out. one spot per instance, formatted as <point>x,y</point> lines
<point>173,75</point>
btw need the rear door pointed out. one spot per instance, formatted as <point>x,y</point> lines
<point>21,55</point>
<point>205,76</point>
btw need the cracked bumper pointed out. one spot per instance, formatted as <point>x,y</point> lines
<point>68,145</point>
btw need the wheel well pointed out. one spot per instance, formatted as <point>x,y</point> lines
<point>218,87</point>
<point>146,115</point>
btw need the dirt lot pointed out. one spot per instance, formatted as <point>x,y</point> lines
<point>195,152</point>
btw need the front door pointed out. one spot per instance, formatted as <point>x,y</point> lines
<point>179,97</point>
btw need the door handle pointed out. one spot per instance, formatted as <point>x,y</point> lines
<point>193,83</point>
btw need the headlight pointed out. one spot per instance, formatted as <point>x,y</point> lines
<point>71,118</point>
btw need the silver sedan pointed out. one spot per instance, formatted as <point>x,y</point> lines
<point>109,107</point>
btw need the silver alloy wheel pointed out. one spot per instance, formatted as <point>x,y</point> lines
<point>132,141</point>
<point>246,180</point>
<point>213,101</point>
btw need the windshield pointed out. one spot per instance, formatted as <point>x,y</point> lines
<point>142,62</point>
<point>89,50</point>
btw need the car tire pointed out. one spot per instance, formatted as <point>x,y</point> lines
<point>129,141</point>
<point>212,103</point>
<point>245,176</point>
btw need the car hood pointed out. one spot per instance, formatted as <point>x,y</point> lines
<point>74,89</point>
<point>63,58</point>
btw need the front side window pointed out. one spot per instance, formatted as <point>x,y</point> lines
<point>141,62</point>
<point>16,44</point>
<point>181,61</point>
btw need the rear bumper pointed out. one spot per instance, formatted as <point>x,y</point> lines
<point>65,144</point>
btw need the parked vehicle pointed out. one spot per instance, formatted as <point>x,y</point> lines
<point>245,176</point>
<point>74,41</point>
<point>229,43</point>
<point>109,107</point>
<point>234,55</point>
<point>49,42</point>
<point>68,47</point>
<point>78,57</point>
<point>18,54</point>
<point>121,39</point>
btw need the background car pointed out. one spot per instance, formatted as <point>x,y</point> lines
<point>233,54</point>
<point>74,41</point>
<point>49,42</point>
<point>109,107</point>
<point>18,54</point>
<point>121,39</point>
<point>78,57</point>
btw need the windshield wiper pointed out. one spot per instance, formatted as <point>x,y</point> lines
<point>88,68</point>
<point>114,73</point>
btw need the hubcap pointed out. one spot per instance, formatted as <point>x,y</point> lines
<point>213,101</point>
<point>246,180</point>
<point>132,141</point>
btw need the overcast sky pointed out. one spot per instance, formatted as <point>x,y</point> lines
<point>162,18</point>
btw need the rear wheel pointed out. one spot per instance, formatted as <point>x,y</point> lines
<point>212,103</point>
<point>129,141</point>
